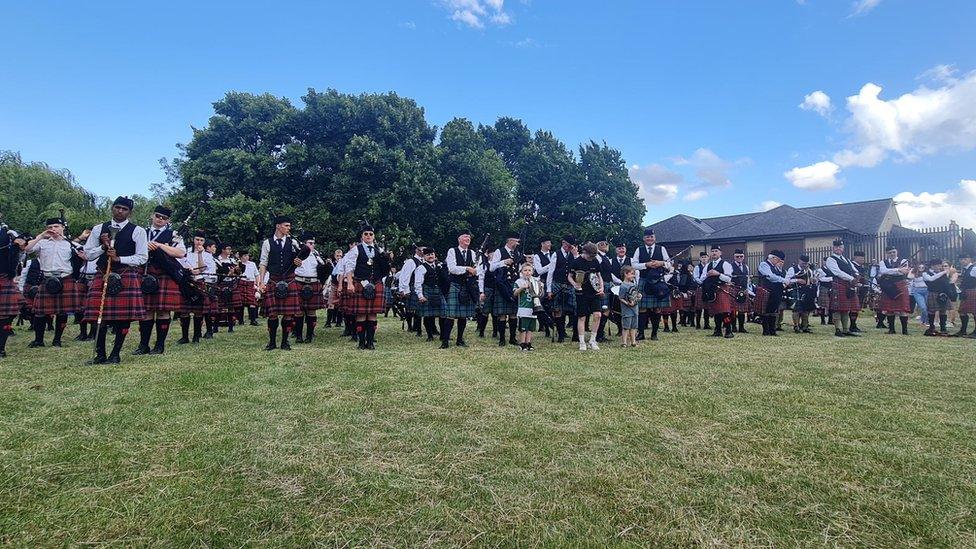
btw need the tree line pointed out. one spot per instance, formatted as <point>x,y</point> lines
<point>340,158</point>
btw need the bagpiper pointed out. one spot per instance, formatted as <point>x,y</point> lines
<point>893,282</point>
<point>465,292</point>
<point>11,244</point>
<point>740,283</point>
<point>843,289</point>
<point>309,276</point>
<point>699,304</point>
<point>115,295</point>
<point>365,264</point>
<point>542,265</point>
<point>430,297</point>
<point>405,287</point>
<point>769,294</point>
<point>280,255</point>
<point>651,262</point>
<point>716,277</point>
<point>504,266</point>
<point>198,301</point>
<point>229,298</point>
<point>246,287</point>
<point>941,294</point>
<point>804,294</point>
<point>58,295</point>
<point>967,294</point>
<point>161,281</point>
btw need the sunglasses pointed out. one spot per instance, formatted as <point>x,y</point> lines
<point>367,234</point>
<point>161,216</point>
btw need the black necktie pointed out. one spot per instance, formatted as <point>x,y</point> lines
<point>279,241</point>
<point>154,234</point>
<point>370,248</point>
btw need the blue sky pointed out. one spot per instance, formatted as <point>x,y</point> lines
<point>706,100</point>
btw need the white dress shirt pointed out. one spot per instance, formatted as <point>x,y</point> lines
<point>537,263</point>
<point>418,279</point>
<point>766,270</point>
<point>403,282</point>
<point>833,265</point>
<point>349,260</point>
<point>93,246</point>
<point>309,267</point>
<point>496,259</point>
<point>725,274</point>
<point>250,271</point>
<point>194,259</point>
<point>635,261</point>
<point>453,268</point>
<point>54,255</point>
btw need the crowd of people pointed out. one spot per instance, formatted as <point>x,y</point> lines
<point>117,273</point>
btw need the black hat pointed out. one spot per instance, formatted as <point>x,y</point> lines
<point>428,251</point>
<point>934,262</point>
<point>738,251</point>
<point>620,244</point>
<point>702,254</point>
<point>890,248</point>
<point>123,201</point>
<point>778,253</point>
<point>648,232</point>
<point>418,246</point>
<point>463,232</point>
<point>307,235</point>
<point>365,227</point>
<point>545,239</point>
<point>279,219</point>
<point>199,234</point>
<point>224,245</point>
<point>966,254</point>
<point>512,236</point>
<point>163,210</point>
<point>716,247</point>
<point>569,239</point>
<point>805,258</point>
<point>839,242</point>
<point>54,221</point>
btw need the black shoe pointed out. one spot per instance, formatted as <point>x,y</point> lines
<point>35,344</point>
<point>99,359</point>
<point>56,343</point>
<point>254,323</point>
<point>140,350</point>
<point>208,335</point>
<point>666,330</point>
<point>960,333</point>
<point>674,330</point>
<point>113,359</point>
<point>157,350</point>
<point>270,347</point>
<point>929,333</point>
<point>481,334</point>
<point>80,337</point>
<point>807,331</point>
<point>744,331</point>
<point>890,331</point>
<point>183,341</point>
<point>501,342</point>
<point>654,338</point>
<point>855,330</point>
<point>195,340</point>
<point>796,329</point>
<point>430,337</point>
<point>728,335</point>
<point>561,339</point>
<point>716,334</point>
<point>3,354</point>
<point>852,334</point>
<point>285,346</point>
<point>445,345</point>
<point>461,343</point>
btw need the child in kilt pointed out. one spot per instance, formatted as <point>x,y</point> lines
<point>527,323</point>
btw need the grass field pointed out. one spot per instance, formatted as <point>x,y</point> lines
<point>688,441</point>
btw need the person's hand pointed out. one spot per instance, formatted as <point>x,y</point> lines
<point>105,240</point>
<point>654,264</point>
<point>153,246</point>
<point>84,234</point>
<point>549,295</point>
<point>112,254</point>
<point>422,299</point>
<point>507,262</point>
<point>471,270</point>
<point>713,272</point>
<point>481,297</point>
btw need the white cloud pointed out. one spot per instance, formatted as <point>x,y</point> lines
<point>475,13</point>
<point>408,25</point>
<point>767,205</point>
<point>936,209</point>
<point>815,177</point>
<point>941,74</point>
<point>818,102</point>
<point>656,184</point>
<point>710,167</point>
<point>862,7</point>
<point>695,195</point>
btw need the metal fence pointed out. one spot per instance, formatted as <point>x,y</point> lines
<point>919,244</point>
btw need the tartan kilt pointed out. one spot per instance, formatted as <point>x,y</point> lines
<point>762,301</point>
<point>501,307</point>
<point>289,306</point>
<point>722,304</point>
<point>689,303</point>
<point>313,303</point>
<point>10,298</point>
<point>746,307</point>
<point>387,296</point>
<point>206,306</point>
<point>967,302</point>
<point>356,304</point>
<point>651,302</point>
<point>427,309</point>
<point>167,299</point>
<point>246,289</point>
<point>126,306</point>
<point>823,298</point>
<point>698,302</point>
<point>932,303</point>
<point>563,297</point>
<point>411,303</point>
<point>229,303</point>
<point>452,305</point>
<point>900,304</point>
<point>488,307</point>
<point>64,302</point>
<point>839,300</point>
<point>675,306</point>
<point>335,297</point>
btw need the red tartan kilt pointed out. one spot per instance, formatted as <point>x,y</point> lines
<point>677,304</point>
<point>967,306</point>
<point>206,306</point>
<point>839,301</point>
<point>64,302</point>
<point>900,304</point>
<point>245,288</point>
<point>313,303</point>
<point>722,304</point>
<point>699,302</point>
<point>743,307</point>
<point>356,304</point>
<point>168,298</point>
<point>126,306</point>
<point>289,306</point>
<point>762,300</point>
<point>10,298</point>
<point>232,303</point>
<point>335,297</point>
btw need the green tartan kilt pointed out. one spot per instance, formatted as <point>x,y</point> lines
<point>412,303</point>
<point>488,307</point>
<point>500,306</point>
<point>648,301</point>
<point>435,302</point>
<point>563,298</point>
<point>452,305</point>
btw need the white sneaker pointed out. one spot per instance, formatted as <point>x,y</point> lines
<point>582,345</point>
<point>593,345</point>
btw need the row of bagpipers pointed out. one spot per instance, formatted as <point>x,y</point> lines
<point>117,273</point>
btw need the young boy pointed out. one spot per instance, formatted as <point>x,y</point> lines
<point>526,316</point>
<point>588,293</point>
<point>628,309</point>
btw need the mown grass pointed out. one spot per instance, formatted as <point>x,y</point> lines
<point>687,441</point>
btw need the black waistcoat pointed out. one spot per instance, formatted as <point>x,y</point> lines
<point>657,255</point>
<point>740,277</point>
<point>560,273</point>
<point>463,258</point>
<point>281,260</point>
<point>124,244</point>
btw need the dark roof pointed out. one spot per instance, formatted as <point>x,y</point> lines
<point>854,217</point>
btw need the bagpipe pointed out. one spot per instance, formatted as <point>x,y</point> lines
<point>469,288</point>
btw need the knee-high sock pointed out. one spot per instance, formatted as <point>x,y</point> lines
<point>429,326</point>
<point>162,330</point>
<point>674,321</point>
<point>5,328</point>
<point>447,324</point>
<point>299,328</point>
<point>462,323</point>
<point>904,325</point>
<point>482,323</point>
<point>512,328</point>
<point>891,323</point>
<point>185,326</point>
<point>39,325</point>
<point>718,322</point>
<point>197,327</point>
<point>60,323</point>
<point>310,321</point>
<point>361,333</point>
<point>252,313</point>
<point>655,322</point>
<point>853,317</point>
<point>100,339</point>
<point>145,332</point>
<point>273,331</point>
<point>943,317</point>
<point>209,319</point>
<point>641,323</point>
<point>964,320</point>
<point>121,330</point>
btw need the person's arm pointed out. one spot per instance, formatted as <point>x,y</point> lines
<point>418,283</point>
<point>452,266</point>
<point>263,263</point>
<point>177,250</point>
<point>349,264</point>
<point>141,256</point>
<point>519,287</point>
<point>725,275</point>
<point>36,244</point>
<point>495,261</point>
<point>884,270</point>
<point>635,261</point>
<point>932,277</point>
<point>834,267</point>
<point>403,285</point>
<point>480,270</point>
<point>93,246</point>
